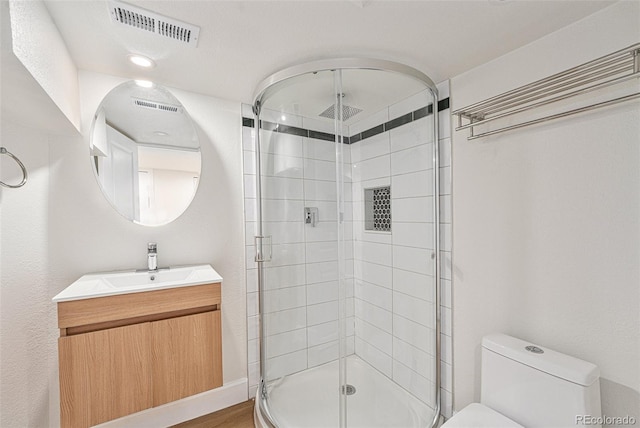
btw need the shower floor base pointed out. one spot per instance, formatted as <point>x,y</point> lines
<point>310,399</point>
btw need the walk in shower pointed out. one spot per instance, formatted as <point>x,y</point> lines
<point>346,246</point>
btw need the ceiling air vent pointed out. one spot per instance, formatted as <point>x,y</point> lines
<point>153,105</point>
<point>145,20</point>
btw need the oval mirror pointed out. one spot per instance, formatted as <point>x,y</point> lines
<point>145,153</point>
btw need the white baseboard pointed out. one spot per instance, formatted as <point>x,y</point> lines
<point>186,409</point>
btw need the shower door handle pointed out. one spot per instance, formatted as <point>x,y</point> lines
<point>260,243</point>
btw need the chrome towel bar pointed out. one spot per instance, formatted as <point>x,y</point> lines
<point>4,151</point>
<point>600,73</point>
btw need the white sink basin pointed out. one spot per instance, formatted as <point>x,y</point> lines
<point>137,279</point>
<point>112,283</point>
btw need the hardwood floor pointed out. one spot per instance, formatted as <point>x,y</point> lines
<point>238,416</point>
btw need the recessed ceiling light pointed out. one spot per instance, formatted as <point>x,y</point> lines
<point>142,61</point>
<point>160,133</point>
<point>144,83</point>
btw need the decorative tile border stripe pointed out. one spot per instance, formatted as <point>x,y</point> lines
<point>387,126</point>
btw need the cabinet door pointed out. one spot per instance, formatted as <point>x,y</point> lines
<point>186,356</point>
<point>104,375</point>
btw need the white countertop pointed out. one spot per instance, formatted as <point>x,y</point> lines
<point>124,282</point>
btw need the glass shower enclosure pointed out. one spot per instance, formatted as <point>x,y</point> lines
<point>346,246</point>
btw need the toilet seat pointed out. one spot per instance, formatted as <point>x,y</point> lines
<point>476,415</point>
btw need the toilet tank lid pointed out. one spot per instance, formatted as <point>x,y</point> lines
<point>549,361</point>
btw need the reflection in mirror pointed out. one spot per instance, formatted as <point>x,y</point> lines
<point>145,153</point>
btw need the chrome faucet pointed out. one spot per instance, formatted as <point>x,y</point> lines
<point>152,257</point>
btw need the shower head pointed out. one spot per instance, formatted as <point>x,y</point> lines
<point>347,111</point>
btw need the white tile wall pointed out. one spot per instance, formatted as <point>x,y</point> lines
<point>421,387</point>
<point>369,122</point>
<point>369,169</point>
<point>322,292</point>
<point>323,353</point>
<point>378,359</point>
<point>413,284</point>
<point>373,252</point>
<point>322,150</point>
<point>286,364</point>
<point>374,315</point>
<point>412,134</point>
<point>281,144</point>
<point>283,276</point>
<point>412,185</point>
<point>414,234</point>
<point>322,312</point>
<point>394,292</point>
<point>277,165</point>
<point>322,333</point>
<point>375,336</point>
<point>283,232</point>
<point>321,272</point>
<point>414,333</point>
<point>409,104</point>
<point>391,311</point>
<point>283,255</point>
<point>414,159</point>
<point>405,209</point>
<point>413,309</point>
<point>285,298</point>
<point>319,170</point>
<point>414,358</point>
<point>416,260</point>
<point>286,320</point>
<point>285,343</point>
<point>374,294</point>
<point>282,188</point>
<point>373,273</point>
<point>317,190</point>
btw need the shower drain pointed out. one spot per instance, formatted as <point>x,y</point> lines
<point>348,389</point>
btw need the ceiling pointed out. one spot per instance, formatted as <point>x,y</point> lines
<point>151,126</point>
<point>243,42</point>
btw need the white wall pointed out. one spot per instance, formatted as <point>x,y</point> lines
<point>59,226</point>
<point>546,231</point>
<point>26,343</point>
<point>37,43</point>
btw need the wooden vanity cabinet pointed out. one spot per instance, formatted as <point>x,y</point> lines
<point>126,353</point>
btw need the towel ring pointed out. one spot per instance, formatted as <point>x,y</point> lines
<point>4,151</point>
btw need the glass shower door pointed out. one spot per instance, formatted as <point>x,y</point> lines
<point>302,306</point>
<point>347,250</point>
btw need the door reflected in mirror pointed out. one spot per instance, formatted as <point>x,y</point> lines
<point>145,153</point>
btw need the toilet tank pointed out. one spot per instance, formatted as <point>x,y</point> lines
<point>538,387</point>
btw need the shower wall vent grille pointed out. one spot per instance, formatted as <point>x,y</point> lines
<point>153,105</point>
<point>347,112</point>
<point>145,20</point>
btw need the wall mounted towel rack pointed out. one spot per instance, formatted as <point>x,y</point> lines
<point>600,73</point>
<point>4,151</point>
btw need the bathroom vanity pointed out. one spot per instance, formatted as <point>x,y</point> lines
<point>136,340</point>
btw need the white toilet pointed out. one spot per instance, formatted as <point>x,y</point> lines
<point>524,385</point>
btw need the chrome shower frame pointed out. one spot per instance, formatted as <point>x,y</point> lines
<point>262,92</point>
